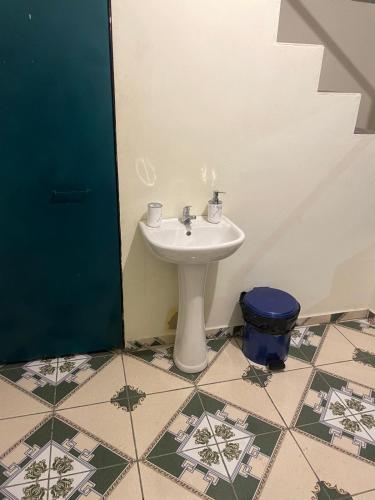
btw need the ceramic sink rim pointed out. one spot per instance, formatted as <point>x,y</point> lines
<point>225,223</point>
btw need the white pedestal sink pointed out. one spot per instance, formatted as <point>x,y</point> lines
<point>192,253</point>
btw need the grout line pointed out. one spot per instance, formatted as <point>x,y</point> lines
<point>140,479</point>
<point>125,397</point>
<point>337,327</point>
<point>281,372</point>
<point>58,409</point>
<point>222,381</point>
<point>341,333</point>
<point>358,494</point>
<point>333,363</point>
<point>133,430</point>
<point>168,390</point>
<point>47,412</point>
<point>52,430</point>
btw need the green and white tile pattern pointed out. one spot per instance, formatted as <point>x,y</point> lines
<point>130,425</point>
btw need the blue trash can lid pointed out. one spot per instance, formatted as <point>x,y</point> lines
<point>271,303</point>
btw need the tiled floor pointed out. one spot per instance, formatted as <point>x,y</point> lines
<point>132,426</point>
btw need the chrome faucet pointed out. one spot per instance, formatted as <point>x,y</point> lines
<point>186,216</point>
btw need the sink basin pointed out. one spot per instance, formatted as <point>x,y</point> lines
<point>192,253</point>
<point>207,242</point>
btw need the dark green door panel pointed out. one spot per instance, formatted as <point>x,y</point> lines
<point>60,272</point>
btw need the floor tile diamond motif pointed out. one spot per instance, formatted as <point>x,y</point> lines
<point>128,398</point>
<point>339,413</point>
<point>305,342</point>
<point>60,458</point>
<point>215,446</point>
<point>52,380</point>
<point>257,376</point>
<point>162,357</point>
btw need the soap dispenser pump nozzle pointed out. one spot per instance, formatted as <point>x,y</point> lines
<point>215,199</point>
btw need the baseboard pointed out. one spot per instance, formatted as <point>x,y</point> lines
<point>234,331</point>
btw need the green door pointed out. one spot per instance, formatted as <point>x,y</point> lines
<point>60,270</point>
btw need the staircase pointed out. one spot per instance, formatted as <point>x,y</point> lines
<point>346,29</point>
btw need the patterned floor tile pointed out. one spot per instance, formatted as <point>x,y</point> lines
<point>12,429</point>
<point>128,487</point>
<point>158,485</point>
<point>335,347</point>
<point>153,413</point>
<point>340,473</point>
<point>349,315</point>
<point>18,463</point>
<point>233,446</point>
<point>200,471</point>
<point>27,491</point>
<point>73,461</point>
<point>17,400</point>
<point>321,319</point>
<point>355,371</point>
<point>97,386</point>
<point>119,481</point>
<point>161,356</point>
<point>52,380</point>
<point>338,413</point>
<point>229,364</point>
<point>363,342</point>
<point>291,363</point>
<point>219,434</point>
<point>107,421</point>
<point>150,378</point>
<point>286,389</point>
<point>290,458</point>
<point>246,423</point>
<point>247,392</point>
<point>366,325</point>
<point>305,342</point>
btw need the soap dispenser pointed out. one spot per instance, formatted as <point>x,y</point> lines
<point>215,208</point>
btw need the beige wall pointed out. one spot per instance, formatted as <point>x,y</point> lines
<point>206,97</point>
<point>347,29</point>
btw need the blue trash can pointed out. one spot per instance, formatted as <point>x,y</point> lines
<point>270,315</point>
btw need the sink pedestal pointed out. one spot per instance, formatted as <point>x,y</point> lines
<point>192,251</point>
<point>190,350</point>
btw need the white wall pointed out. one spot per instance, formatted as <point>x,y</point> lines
<point>206,97</point>
<point>346,29</point>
